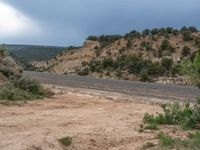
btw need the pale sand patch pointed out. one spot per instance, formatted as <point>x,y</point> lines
<point>95,120</point>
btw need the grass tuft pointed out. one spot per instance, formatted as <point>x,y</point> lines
<point>165,140</point>
<point>66,141</point>
<point>186,116</point>
<point>175,114</point>
<point>152,126</point>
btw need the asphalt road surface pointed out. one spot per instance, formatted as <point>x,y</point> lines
<point>153,90</point>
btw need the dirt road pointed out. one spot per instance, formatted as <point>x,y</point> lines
<point>95,121</point>
<point>152,90</point>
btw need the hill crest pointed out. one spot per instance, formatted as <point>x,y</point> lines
<point>116,56</point>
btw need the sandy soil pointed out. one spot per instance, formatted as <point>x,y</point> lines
<point>94,120</point>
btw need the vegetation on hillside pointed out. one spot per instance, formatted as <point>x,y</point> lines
<point>160,61</point>
<point>145,69</point>
<point>151,55</point>
<point>15,87</point>
<point>192,68</point>
<point>186,32</point>
<point>105,40</point>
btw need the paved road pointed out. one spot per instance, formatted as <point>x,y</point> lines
<point>167,92</point>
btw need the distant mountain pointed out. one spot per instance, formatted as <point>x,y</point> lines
<point>34,52</point>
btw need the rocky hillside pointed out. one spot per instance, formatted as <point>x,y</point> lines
<point>151,55</point>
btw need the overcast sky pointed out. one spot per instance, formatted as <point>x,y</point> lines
<point>69,22</point>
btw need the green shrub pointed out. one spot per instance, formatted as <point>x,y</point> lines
<point>146,32</point>
<point>169,142</point>
<point>197,42</point>
<point>98,52</point>
<point>193,141</point>
<point>18,89</point>
<point>165,45</point>
<point>133,34</point>
<point>162,31</point>
<point>107,63</point>
<point>169,30</point>
<point>155,69</point>
<point>146,45</point>
<point>193,29</point>
<point>184,29</point>
<point>167,63</point>
<point>186,115</point>
<point>152,126</point>
<point>10,93</point>
<point>149,118</point>
<point>187,36</point>
<point>166,140</point>
<point>154,31</point>
<point>198,100</point>
<point>175,32</point>
<point>29,85</point>
<point>92,38</point>
<point>129,43</point>
<point>185,51</point>
<point>84,72</point>
<point>136,64</point>
<point>144,76</point>
<point>105,40</point>
<point>66,141</point>
<point>192,68</point>
<point>9,67</point>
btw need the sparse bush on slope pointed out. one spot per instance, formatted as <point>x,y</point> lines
<point>192,68</point>
<point>136,65</point>
<point>185,51</point>
<point>17,88</point>
<point>105,40</point>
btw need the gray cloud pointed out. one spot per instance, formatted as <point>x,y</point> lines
<point>69,22</point>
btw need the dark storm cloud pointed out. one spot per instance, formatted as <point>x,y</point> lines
<point>67,22</point>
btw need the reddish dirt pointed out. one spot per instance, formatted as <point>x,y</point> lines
<point>94,120</point>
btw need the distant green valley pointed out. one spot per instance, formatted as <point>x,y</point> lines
<point>34,52</point>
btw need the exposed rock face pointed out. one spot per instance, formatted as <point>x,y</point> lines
<point>69,61</point>
<point>174,80</point>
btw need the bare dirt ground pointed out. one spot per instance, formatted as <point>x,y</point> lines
<point>95,121</point>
